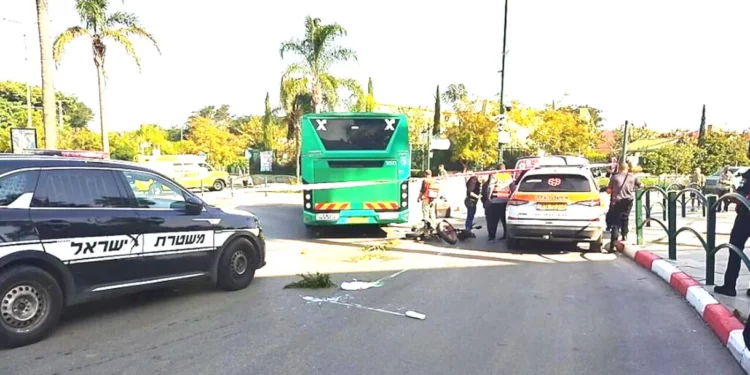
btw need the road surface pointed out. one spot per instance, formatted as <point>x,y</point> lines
<point>545,312</point>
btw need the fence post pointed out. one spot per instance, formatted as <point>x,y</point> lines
<point>672,224</point>
<point>684,212</point>
<point>648,207</point>
<point>638,216</point>
<point>664,204</point>
<point>710,240</point>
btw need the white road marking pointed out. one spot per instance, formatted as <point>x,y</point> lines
<point>336,301</point>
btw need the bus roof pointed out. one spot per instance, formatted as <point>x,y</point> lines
<point>351,114</point>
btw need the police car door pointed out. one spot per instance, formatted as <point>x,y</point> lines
<point>175,242</point>
<point>83,218</point>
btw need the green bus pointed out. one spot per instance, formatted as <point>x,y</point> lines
<point>352,147</point>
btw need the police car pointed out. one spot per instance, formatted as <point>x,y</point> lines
<point>556,204</point>
<point>74,230</point>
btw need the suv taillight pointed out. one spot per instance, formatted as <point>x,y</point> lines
<point>517,202</point>
<point>590,203</point>
<point>404,194</point>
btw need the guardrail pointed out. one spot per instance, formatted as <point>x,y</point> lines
<point>709,204</point>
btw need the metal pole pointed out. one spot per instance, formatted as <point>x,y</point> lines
<point>672,225</point>
<point>502,80</point>
<point>639,216</point>
<point>710,240</point>
<point>28,82</point>
<point>623,158</point>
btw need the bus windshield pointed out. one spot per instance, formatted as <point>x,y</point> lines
<point>356,134</point>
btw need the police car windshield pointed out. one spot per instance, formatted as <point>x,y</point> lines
<point>558,183</point>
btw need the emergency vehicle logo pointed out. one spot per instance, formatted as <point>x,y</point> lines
<point>554,181</point>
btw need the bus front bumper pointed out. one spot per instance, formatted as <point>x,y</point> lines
<point>354,217</point>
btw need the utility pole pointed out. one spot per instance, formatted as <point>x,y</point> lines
<point>624,142</point>
<point>501,123</point>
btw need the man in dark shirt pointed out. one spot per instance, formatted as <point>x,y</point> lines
<point>621,187</point>
<point>738,237</point>
<point>473,194</point>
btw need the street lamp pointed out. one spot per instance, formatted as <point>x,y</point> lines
<point>501,123</point>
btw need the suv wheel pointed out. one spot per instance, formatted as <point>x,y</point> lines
<point>30,305</point>
<point>235,265</point>
<point>218,185</point>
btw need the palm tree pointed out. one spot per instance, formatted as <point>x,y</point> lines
<point>48,87</point>
<point>455,94</point>
<point>99,25</point>
<point>319,52</point>
<point>296,100</point>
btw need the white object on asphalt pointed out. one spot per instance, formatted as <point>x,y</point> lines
<point>416,315</point>
<point>360,285</point>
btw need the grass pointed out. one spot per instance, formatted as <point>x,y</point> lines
<point>310,281</point>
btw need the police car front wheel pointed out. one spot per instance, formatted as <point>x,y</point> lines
<point>236,265</point>
<point>30,305</point>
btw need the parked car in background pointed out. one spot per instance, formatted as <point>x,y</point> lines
<point>712,181</point>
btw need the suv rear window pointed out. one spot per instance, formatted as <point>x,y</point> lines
<point>355,134</point>
<point>562,183</point>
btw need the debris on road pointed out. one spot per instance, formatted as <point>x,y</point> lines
<point>360,285</point>
<point>310,281</point>
<point>416,315</point>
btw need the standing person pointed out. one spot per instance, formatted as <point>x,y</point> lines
<point>738,237</point>
<point>497,194</point>
<point>427,195</point>
<point>612,170</point>
<point>622,186</point>
<point>725,187</point>
<point>473,195</point>
<point>699,180</point>
<point>441,170</point>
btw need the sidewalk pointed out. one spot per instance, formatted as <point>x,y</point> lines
<point>691,257</point>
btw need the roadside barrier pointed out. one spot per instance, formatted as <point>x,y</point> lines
<point>710,203</point>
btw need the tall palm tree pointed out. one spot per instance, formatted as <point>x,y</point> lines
<point>296,100</point>
<point>319,52</point>
<point>99,25</point>
<point>48,85</point>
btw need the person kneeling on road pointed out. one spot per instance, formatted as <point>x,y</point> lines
<point>738,237</point>
<point>473,195</point>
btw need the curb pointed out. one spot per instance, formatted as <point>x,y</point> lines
<point>726,327</point>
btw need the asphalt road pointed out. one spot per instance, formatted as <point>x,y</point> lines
<point>564,314</point>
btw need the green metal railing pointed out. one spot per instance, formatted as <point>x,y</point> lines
<point>709,204</point>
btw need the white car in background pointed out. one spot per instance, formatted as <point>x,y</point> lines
<point>559,204</point>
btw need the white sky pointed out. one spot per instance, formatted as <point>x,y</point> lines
<point>651,61</point>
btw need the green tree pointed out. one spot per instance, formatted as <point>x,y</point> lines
<point>474,141</point>
<point>677,158</point>
<point>436,120</point>
<point>561,132</point>
<point>125,146</point>
<point>319,52</point>
<point>370,101</point>
<point>48,70</point>
<point>296,100</point>
<point>218,143</point>
<point>719,150</point>
<point>455,95</point>
<point>635,133</point>
<point>100,25</point>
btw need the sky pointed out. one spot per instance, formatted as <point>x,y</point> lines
<point>654,62</point>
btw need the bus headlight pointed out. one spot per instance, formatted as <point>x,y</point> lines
<point>307,194</point>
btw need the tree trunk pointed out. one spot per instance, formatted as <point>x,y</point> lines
<point>48,87</point>
<point>100,81</point>
<point>317,96</point>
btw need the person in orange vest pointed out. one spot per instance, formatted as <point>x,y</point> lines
<point>427,195</point>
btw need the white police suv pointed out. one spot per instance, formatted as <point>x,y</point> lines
<point>74,230</point>
<point>560,204</point>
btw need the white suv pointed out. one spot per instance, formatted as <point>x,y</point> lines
<point>559,204</point>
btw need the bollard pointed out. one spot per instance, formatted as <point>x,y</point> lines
<point>710,240</point>
<point>648,207</point>
<point>672,224</point>
<point>684,212</point>
<point>638,216</point>
<point>266,185</point>
<point>231,186</point>
<point>201,188</point>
